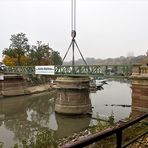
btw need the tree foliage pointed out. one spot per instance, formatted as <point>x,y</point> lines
<point>40,54</point>
<point>20,53</point>
<point>111,61</point>
<point>18,48</point>
<point>56,58</point>
<point>12,61</point>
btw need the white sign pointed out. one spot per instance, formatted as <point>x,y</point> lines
<point>44,70</point>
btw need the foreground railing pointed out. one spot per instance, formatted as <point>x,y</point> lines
<point>109,132</point>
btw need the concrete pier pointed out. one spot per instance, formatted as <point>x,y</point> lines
<point>72,95</point>
<point>140,88</point>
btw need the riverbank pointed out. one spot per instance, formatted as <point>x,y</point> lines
<point>128,134</point>
<point>26,90</point>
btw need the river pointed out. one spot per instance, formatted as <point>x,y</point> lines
<point>21,116</point>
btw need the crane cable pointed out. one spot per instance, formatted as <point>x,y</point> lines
<point>73,33</point>
<point>73,14</point>
<point>73,18</point>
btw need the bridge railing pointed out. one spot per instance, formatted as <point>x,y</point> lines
<point>109,132</point>
<point>20,69</point>
<point>105,70</point>
<point>79,70</point>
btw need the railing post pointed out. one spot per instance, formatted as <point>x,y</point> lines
<point>106,70</point>
<point>119,138</point>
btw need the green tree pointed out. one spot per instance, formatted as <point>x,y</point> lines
<point>21,53</point>
<point>19,47</point>
<point>56,58</point>
<point>42,54</point>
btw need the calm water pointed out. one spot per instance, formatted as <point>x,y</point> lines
<point>115,92</point>
<point>21,116</point>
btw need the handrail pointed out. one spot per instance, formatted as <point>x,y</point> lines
<point>106,133</point>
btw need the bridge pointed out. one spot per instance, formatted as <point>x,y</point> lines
<point>76,70</point>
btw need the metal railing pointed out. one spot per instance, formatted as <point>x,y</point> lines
<point>90,70</point>
<point>109,132</point>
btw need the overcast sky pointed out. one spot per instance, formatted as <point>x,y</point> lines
<point>105,28</point>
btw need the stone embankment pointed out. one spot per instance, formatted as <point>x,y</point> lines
<point>18,85</point>
<point>26,90</point>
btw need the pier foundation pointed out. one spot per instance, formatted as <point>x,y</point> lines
<point>72,95</point>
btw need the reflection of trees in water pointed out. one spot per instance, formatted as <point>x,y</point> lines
<point>41,103</point>
<point>32,114</point>
<point>26,115</point>
<point>21,129</point>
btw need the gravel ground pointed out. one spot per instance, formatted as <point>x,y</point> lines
<point>141,143</point>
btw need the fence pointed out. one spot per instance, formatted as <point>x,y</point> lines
<point>109,132</point>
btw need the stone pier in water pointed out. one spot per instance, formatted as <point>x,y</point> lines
<point>73,95</point>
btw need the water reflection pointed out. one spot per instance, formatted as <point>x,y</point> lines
<point>71,124</point>
<point>21,117</point>
<point>24,115</point>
